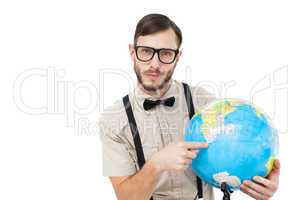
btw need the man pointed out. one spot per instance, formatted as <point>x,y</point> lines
<point>144,154</point>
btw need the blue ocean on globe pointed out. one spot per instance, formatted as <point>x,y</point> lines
<point>243,143</point>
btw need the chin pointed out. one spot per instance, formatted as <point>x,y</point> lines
<point>152,83</point>
<point>152,87</point>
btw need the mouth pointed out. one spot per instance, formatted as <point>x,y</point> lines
<point>152,75</point>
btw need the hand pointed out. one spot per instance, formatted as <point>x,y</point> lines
<point>177,156</point>
<point>263,188</point>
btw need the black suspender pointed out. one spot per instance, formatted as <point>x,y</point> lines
<point>136,135</point>
<point>189,100</point>
<point>190,105</point>
<point>134,132</point>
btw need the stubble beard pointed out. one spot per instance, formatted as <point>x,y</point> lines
<point>151,88</point>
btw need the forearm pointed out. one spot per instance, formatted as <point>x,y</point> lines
<point>141,185</point>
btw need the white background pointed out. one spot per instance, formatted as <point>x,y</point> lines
<point>63,61</point>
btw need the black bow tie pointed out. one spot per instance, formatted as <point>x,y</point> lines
<point>149,104</point>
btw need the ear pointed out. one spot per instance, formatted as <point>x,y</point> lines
<point>131,52</point>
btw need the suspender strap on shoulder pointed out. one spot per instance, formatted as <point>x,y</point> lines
<point>135,133</point>
<point>190,105</point>
<point>189,99</point>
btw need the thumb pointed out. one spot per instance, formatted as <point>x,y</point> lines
<point>275,170</point>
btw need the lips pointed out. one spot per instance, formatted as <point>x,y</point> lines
<point>152,75</point>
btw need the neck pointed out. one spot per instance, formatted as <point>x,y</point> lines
<point>157,93</point>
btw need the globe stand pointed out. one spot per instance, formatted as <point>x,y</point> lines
<point>225,191</point>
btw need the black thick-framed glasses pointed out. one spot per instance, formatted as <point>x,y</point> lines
<point>165,55</point>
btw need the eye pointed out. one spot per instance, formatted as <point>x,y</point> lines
<point>146,51</point>
<point>166,53</point>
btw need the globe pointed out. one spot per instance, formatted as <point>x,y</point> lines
<point>242,142</point>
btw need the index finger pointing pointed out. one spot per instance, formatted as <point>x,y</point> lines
<point>195,145</point>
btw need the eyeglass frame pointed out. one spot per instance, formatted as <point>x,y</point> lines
<point>176,51</point>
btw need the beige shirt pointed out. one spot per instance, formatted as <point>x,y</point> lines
<point>157,127</point>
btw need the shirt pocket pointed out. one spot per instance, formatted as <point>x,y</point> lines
<point>149,150</point>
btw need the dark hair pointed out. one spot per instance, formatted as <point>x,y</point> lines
<point>154,23</point>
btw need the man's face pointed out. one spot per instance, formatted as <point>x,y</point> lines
<point>153,74</point>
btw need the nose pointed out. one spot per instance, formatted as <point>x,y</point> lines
<point>155,63</point>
